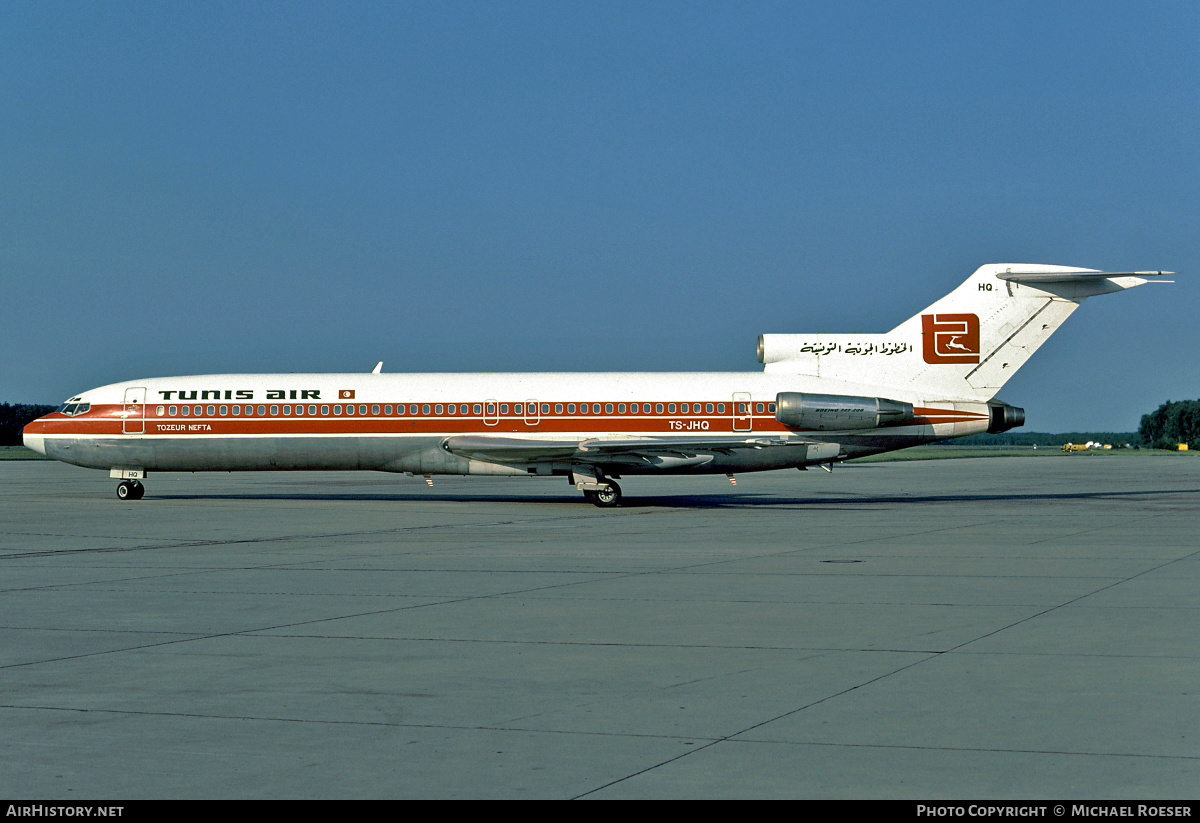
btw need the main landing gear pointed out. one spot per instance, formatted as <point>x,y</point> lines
<point>130,490</point>
<point>597,489</point>
<point>605,497</point>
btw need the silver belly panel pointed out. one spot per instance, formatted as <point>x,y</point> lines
<point>239,454</point>
<point>415,454</point>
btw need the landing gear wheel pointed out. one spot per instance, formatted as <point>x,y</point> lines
<point>608,496</point>
<point>589,496</point>
<point>130,490</point>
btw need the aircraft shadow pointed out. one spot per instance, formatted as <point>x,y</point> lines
<point>694,501</point>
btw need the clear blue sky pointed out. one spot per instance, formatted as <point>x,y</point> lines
<point>216,187</point>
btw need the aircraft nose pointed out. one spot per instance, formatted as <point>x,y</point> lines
<point>32,437</point>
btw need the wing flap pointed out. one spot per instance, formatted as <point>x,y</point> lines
<point>603,449</point>
<point>509,449</point>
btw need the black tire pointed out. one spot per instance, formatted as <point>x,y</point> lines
<point>607,497</point>
<point>125,491</point>
<point>139,491</point>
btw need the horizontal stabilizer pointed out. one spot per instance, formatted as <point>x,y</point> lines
<point>1075,276</point>
<point>965,345</point>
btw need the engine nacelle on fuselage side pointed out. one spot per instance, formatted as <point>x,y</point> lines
<point>839,412</point>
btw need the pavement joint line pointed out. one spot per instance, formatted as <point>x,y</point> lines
<point>191,544</point>
<point>511,729</point>
<point>805,549</point>
<point>979,749</point>
<point>263,633</point>
<point>572,583</point>
<point>209,636</point>
<point>1078,598</point>
<point>1097,528</point>
<point>865,683</point>
<point>602,644</point>
<point>597,577</point>
<point>1104,535</point>
<point>754,726</point>
<point>212,636</point>
<point>217,635</point>
<point>328,722</point>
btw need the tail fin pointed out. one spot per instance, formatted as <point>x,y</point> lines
<point>966,345</point>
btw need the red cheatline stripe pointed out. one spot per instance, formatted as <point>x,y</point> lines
<point>107,419</point>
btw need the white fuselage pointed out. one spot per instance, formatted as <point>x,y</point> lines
<point>395,422</point>
<point>819,399</point>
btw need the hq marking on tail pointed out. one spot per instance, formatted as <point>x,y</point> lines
<point>966,345</point>
<point>820,399</point>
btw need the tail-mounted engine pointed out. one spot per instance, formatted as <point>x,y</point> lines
<point>1002,417</point>
<point>828,412</point>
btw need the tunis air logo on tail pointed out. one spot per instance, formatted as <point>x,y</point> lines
<point>950,338</point>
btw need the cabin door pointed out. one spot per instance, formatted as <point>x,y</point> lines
<point>743,419</point>
<point>133,413</point>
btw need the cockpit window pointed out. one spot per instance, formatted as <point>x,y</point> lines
<point>72,409</point>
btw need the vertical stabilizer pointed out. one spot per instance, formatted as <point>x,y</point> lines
<point>967,344</point>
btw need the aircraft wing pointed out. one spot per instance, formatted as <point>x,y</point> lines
<point>664,451</point>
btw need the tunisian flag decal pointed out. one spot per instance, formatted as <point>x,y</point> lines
<point>346,394</point>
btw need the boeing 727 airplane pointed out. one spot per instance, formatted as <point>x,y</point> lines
<point>820,399</point>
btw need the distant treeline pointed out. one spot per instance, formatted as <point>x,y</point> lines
<point>1043,439</point>
<point>1171,424</point>
<point>13,418</point>
<point>1166,427</point>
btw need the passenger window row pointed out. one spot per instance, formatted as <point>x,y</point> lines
<point>439,409</point>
